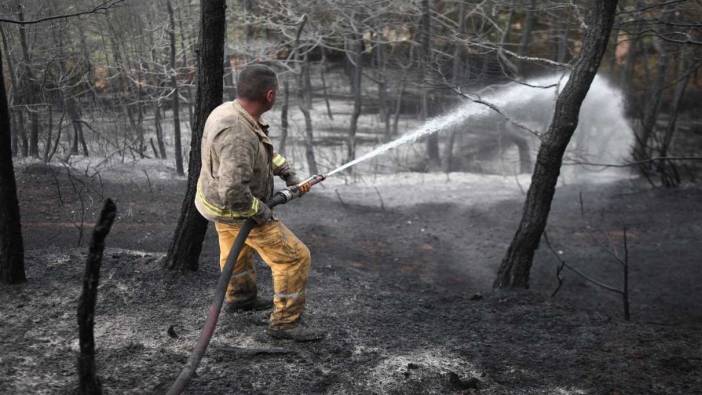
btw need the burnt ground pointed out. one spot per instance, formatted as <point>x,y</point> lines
<point>403,291</point>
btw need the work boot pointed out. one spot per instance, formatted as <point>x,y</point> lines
<point>299,333</point>
<point>256,304</point>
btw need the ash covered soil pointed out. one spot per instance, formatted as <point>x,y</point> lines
<point>400,279</point>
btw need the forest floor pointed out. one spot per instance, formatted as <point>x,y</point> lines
<point>401,277</point>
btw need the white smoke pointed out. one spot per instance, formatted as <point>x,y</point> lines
<point>603,134</point>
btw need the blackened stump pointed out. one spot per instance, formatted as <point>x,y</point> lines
<point>89,382</point>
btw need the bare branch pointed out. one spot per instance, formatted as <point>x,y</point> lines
<point>101,8</point>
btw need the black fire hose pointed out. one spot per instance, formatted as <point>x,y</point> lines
<point>198,352</point>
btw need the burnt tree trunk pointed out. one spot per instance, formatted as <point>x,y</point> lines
<point>184,251</point>
<point>72,108</point>
<point>425,42</point>
<point>29,88</point>
<point>176,99</point>
<point>457,81</point>
<point>627,72</point>
<point>382,81</point>
<point>305,96</point>
<point>183,49</point>
<point>159,131</point>
<point>652,109</point>
<point>89,383</point>
<point>284,117</point>
<point>13,81</point>
<point>322,66</point>
<point>305,107</point>
<point>11,245</point>
<point>683,78</point>
<point>526,33</point>
<point>516,265</point>
<point>356,78</point>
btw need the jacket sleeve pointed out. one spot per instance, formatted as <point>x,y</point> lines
<point>283,169</point>
<point>236,151</point>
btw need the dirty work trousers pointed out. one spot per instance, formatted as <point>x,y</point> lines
<point>284,253</point>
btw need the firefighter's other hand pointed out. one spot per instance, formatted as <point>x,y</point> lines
<point>263,215</point>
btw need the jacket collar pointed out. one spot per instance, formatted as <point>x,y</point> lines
<point>261,128</point>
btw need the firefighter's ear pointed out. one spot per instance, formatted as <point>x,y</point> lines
<point>270,96</point>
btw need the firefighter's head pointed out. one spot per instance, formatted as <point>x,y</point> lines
<point>257,84</point>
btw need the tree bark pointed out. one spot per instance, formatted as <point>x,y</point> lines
<point>11,244</point>
<point>174,86</point>
<point>516,265</point>
<point>89,383</point>
<point>184,251</point>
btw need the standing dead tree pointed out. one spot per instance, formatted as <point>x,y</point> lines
<point>516,265</point>
<point>89,381</point>
<point>184,251</point>
<point>11,244</point>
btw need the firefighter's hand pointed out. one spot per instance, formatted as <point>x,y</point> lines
<point>304,188</point>
<point>263,215</point>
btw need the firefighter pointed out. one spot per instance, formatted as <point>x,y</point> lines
<point>236,178</point>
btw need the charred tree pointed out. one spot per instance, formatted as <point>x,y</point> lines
<point>13,80</point>
<point>11,245</point>
<point>304,89</point>
<point>516,265</point>
<point>642,151</point>
<point>176,99</point>
<point>425,42</point>
<point>29,88</point>
<point>159,131</point>
<point>356,77</point>
<point>184,251</point>
<point>456,80</point>
<point>89,383</point>
<point>73,111</point>
<point>685,71</point>
<point>305,105</point>
<point>529,20</point>
<point>284,117</point>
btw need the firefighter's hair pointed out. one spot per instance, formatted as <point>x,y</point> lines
<point>254,81</point>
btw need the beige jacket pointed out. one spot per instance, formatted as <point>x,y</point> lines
<point>238,165</point>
